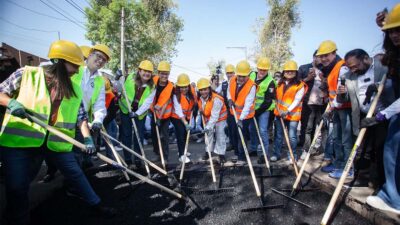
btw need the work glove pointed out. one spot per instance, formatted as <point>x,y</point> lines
<point>284,114</point>
<point>231,104</point>
<point>96,126</point>
<point>90,148</point>
<point>118,74</point>
<point>327,116</point>
<point>158,122</point>
<point>207,131</point>
<point>133,115</point>
<point>240,124</point>
<point>188,127</point>
<point>368,94</point>
<point>368,122</point>
<point>16,109</point>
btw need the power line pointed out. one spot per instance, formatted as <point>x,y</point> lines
<point>76,6</point>
<point>25,28</point>
<point>189,70</point>
<point>39,13</point>
<point>62,10</point>
<point>63,15</point>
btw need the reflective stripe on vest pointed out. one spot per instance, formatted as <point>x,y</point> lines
<point>284,98</point>
<point>98,85</point>
<point>164,98</point>
<point>130,87</point>
<point>333,82</point>
<point>223,114</point>
<point>262,88</point>
<point>33,94</point>
<point>187,107</point>
<point>241,97</point>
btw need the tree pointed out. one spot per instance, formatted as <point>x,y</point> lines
<point>275,31</point>
<point>214,65</point>
<point>152,29</point>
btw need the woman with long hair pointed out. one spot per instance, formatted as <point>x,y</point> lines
<point>388,198</point>
<point>47,93</point>
<point>139,87</point>
<point>182,111</point>
<point>289,98</point>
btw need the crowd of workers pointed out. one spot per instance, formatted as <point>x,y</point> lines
<point>69,92</point>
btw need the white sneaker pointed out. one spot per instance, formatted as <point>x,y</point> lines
<point>118,148</point>
<point>229,163</point>
<point>187,160</point>
<point>145,142</point>
<point>290,161</point>
<point>378,203</point>
<point>199,140</point>
<point>274,159</point>
<point>303,155</point>
<point>240,163</point>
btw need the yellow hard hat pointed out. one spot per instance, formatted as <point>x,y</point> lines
<point>203,83</point>
<point>146,65</point>
<point>66,50</point>
<point>85,50</point>
<point>263,63</point>
<point>183,80</point>
<point>326,47</point>
<point>393,18</point>
<point>164,66</point>
<point>243,68</point>
<point>104,49</point>
<point>290,66</point>
<point>229,68</point>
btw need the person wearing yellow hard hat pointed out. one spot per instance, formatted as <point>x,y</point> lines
<point>161,103</point>
<point>241,99</point>
<point>46,92</point>
<point>289,98</point>
<point>264,105</point>
<point>92,85</point>
<point>184,101</point>
<point>333,71</point>
<point>223,91</point>
<point>85,51</point>
<point>388,197</point>
<point>214,113</point>
<point>140,91</point>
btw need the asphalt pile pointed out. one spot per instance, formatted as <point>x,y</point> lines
<point>144,204</point>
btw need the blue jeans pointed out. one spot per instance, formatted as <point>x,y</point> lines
<point>292,127</point>
<point>180,133</point>
<point>328,152</point>
<point>126,136</point>
<point>21,166</point>
<point>263,122</point>
<point>390,192</point>
<point>112,130</point>
<point>342,136</point>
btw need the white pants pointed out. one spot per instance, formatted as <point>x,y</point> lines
<point>217,139</point>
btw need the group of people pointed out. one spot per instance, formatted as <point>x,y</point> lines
<point>69,92</point>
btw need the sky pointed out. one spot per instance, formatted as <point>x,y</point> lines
<point>211,27</point>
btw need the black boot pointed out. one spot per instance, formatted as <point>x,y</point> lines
<point>102,210</point>
<point>205,156</point>
<point>261,160</point>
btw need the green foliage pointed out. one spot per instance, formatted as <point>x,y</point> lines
<point>152,29</point>
<point>275,32</point>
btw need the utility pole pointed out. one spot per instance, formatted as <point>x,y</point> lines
<point>122,42</point>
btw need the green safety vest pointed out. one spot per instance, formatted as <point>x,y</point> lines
<point>98,84</point>
<point>130,88</point>
<point>262,88</point>
<point>33,94</point>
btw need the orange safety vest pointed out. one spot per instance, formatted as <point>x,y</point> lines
<point>332,85</point>
<point>284,98</point>
<point>109,97</point>
<point>241,97</point>
<point>223,114</point>
<point>187,106</point>
<point>164,98</point>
